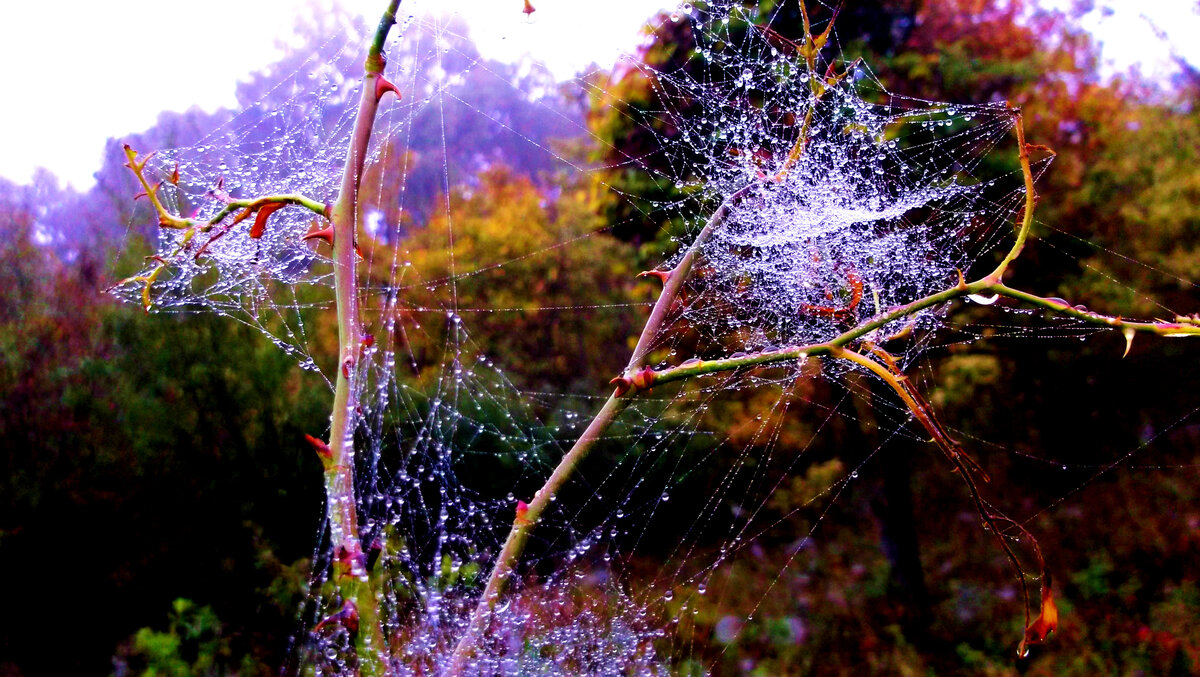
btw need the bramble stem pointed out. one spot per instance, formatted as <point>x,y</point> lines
<point>349,569</point>
<point>1030,198</point>
<point>359,609</point>
<point>514,544</point>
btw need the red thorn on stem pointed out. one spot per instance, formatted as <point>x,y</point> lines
<point>347,365</point>
<point>382,86</point>
<point>622,383</point>
<point>323,234</point>
<point>662,275</point>
<point>320,447</point>
<point>347,617</point>
<point>368,340</point>
<point>175,175</point>
<point>522,513</point>
<point>529,9</point>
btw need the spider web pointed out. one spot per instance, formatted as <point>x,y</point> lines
<point>887,200</point>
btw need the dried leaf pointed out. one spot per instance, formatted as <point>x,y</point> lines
<point>1043,625</point>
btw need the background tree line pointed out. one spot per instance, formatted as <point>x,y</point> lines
<point>149,459</point>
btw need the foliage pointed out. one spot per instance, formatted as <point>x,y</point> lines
<point>148,460</point>
<point>192,645</point>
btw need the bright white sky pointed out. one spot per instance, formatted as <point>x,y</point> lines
<point>127,60</point>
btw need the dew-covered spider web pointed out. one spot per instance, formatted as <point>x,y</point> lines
<point>712,523</point>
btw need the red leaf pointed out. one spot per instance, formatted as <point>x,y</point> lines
<point>260,221</point>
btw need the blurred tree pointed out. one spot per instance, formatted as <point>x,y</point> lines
<point>540,280</point>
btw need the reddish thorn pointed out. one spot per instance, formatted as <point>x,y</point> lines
<point>522,511</point>
<point>260,220</point>
<point>662,275</point>
<point>346,617</point>
<point>368,341</point>
<point>382,86</point>
<point>320,447</point>
<point>175,175</point>
<point>623,384</point>
<point>529,9</point>
<point>347,365</point>
<point>324,234</point>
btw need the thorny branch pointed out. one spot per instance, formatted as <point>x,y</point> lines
<point>859,345</point>
<point>241,209</point>
<point>357,605</point>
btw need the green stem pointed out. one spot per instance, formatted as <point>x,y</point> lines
<point>350,575</point>
<point>1030,199</point>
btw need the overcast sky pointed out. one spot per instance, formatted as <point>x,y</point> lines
<point>68,101</point>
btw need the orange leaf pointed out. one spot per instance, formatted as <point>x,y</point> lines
<point>1043,625</point>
